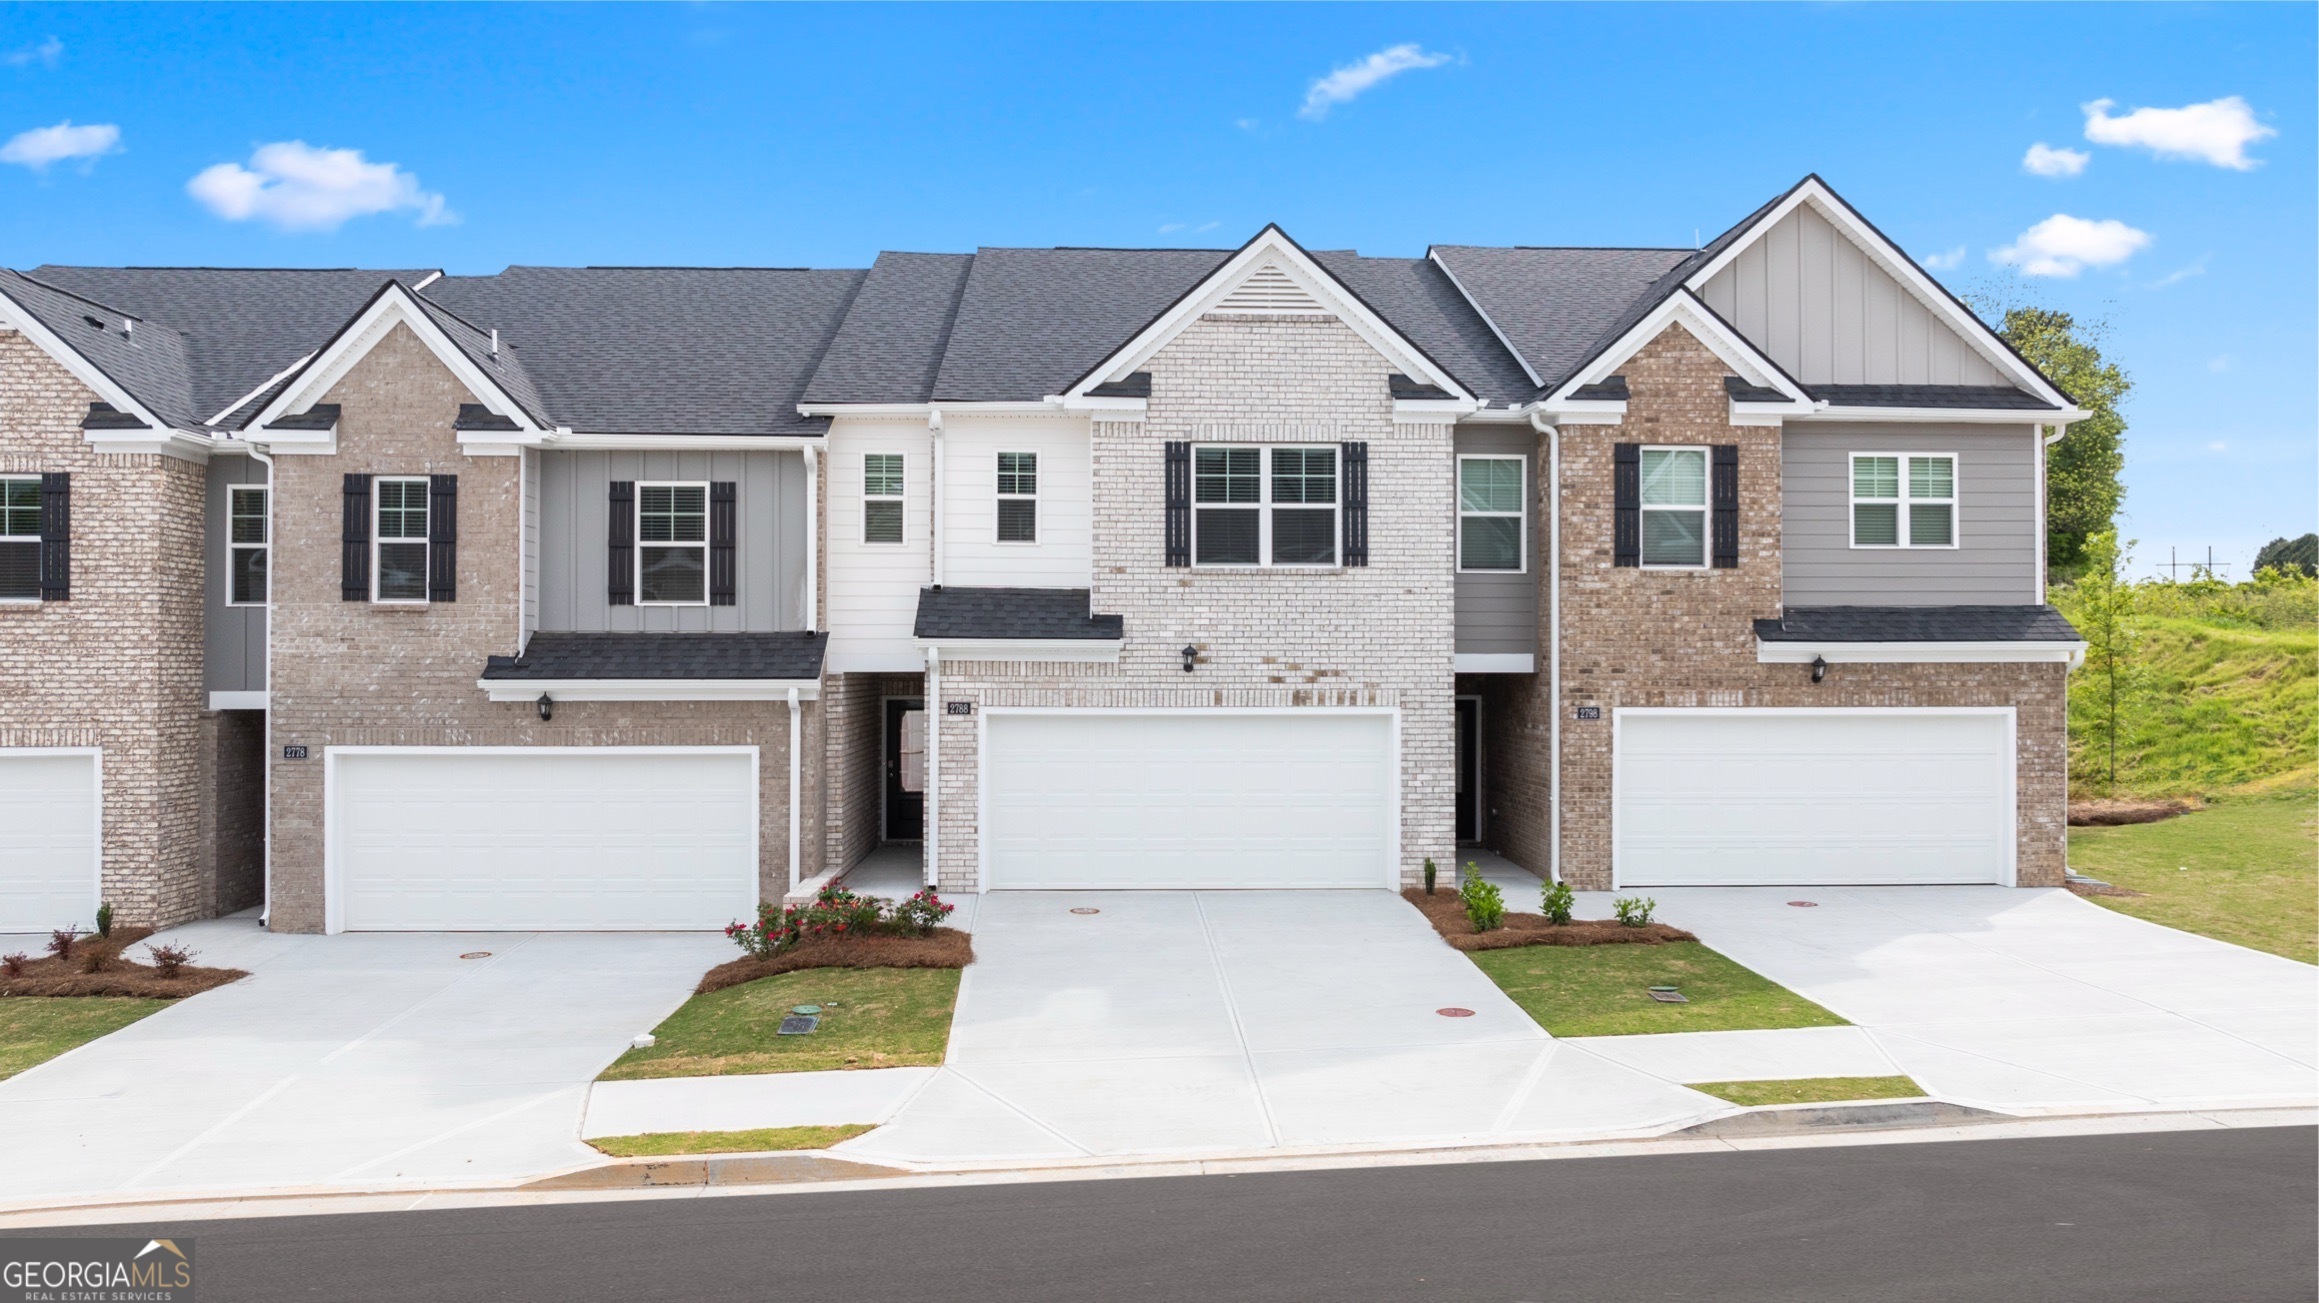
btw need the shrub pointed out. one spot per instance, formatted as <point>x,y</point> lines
<point>92,960</point>
<point>1429,871</point>
<point>1485,905</point>
<point>836,912</point>
<point>920,914</point>
<point>14,964</point>
<point>60,941</point>
<point>105,920</point>
<point>1634,911</point>
<point>168,959</point>
<point>1557,902</point>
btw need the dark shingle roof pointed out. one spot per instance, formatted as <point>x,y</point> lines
<point>553,656</point>
<point>1609,389</point>
<point>1421,302</point>
<point>105,416</point>
<point>147,358</point>
<point>1009,613</point>
<point>1981,396</point>
<point>892,341</point>
<point>321,416</point>
<point>1554,304</point>
<point>1137,384</point>
<point>1739,391</point>
<point>475,416</point>
<point>1031,322</point>
<point>1917,624</point>
<point>1401,386</point>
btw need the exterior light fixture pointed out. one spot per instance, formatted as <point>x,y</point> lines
<point>547,707</point>
<point>1819,668</point>
<point>1191,653</point>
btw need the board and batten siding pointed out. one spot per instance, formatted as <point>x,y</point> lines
<point>1807,295</point>
<point>1064,555</point>
<point>769,543</point>
<point>871,597</point>
<point>233,638</point>
<point>1497,614</point>
<point>1994,562</point>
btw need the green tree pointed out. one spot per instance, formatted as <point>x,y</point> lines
<point>2101,604</point>
<point>2082,490</point>
<point>2297,554</point>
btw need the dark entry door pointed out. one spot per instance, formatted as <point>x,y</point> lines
<point>905,770</point>
<point>1469,770</point>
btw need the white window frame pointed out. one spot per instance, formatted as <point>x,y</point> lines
<point>1520,513</point>
<point>264,544</point>
<point>636,531</point>
<point>1706,508</point>
<point>378,537</point>
<point>1003,496</point>
<point>1901,503</point>
<point>902,498</point>
<point>1264,506</point>
<point>37,538</point>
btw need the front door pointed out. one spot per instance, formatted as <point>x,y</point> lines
<point>905,770</point>
<point>1469,769</point>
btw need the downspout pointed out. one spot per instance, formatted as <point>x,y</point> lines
<point>1553,642</point>
<point>796,784</point>
<point>930,833</point>
<point>941,498</point>
<point>812,539</point>
<point>266,907</point>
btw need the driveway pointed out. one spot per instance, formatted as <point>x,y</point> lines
<point>2029,1001</point>
<point>377,1059</point>
<point>1182,1022</point>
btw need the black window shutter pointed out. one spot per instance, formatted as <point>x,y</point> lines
<point>620,533</point>
<point>1179,503</point>
<point>723,496</point>
<point>1725,491</point>
<point>1356,503</point>
<point>442,538</point>
<point>354,541</point>
<point>1626,487</point>
<point>56,536</point>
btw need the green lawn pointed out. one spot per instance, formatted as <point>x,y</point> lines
<point>1809,1090</point>
<point>37,1028</point>
<point>871,1018</point>
<point>1603,990</point>
<point>2244,870</point>
<point>660,1144</point>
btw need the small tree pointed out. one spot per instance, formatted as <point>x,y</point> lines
<point>2298,554</point>
<point>2102,606</point>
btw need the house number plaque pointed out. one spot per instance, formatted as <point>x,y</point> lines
<point>294,751</point>
<point>1589,712</point>
<point>958,707</point>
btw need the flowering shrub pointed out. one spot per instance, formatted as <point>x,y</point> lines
<point>920,914</point>
<point>835,913</point>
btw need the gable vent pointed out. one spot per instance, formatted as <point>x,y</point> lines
<point>1268,289</point>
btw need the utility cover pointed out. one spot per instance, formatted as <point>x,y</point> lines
<point>798,1025</point>
<point>1668,995</point>
<point>807,1009</point>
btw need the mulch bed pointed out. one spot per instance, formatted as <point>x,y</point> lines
<point>942,948</point>
<point>1446,912</point>
<point>47,974</point>
<point>2109,814</point>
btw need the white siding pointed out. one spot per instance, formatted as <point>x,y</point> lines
<point>873,588</point>
<point>1063,556</point>
<point>531,537</point>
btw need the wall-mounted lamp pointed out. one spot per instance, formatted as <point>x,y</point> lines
<point>1191,654</point>
<point>547,706</point>
<point>1819,669</point>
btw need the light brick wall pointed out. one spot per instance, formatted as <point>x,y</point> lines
<point>1378,635</point>
<point>854,760</point>
<point>355,674</point>
<point>233,755</point>
<point>119,665</point>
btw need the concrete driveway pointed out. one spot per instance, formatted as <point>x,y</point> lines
<point>363,1059</point>
<point>2028,1001</point>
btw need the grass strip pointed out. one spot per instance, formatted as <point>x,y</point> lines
<point>1809,1090</point>
<point>661,1144</point>
<point>37,1028</point>
<point>1604,990</point>
<point>871,1018</point>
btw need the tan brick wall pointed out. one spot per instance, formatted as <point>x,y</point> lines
<point>854,760</point>
<point>1635,637</point>
<point>1378,635</point>
<point>233,758</point>
<point>354,674</point>
<point>118,666</point>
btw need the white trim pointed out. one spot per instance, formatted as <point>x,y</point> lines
<point>649,689</point>
<point>901,499</point>
<point>930,815</point>
<point>938,501</point>
<point>1038,407</point>
<point>893,757</point>
<point>2037,454</point>
<point>1802,652</point>
<point>1536,381</point>
<point>1953,415</point>
<point>1264,506</point>
<point>394,304</point>
<point>333,859</point>
<point>636,528</point>
<point>16,315</point>
<point>1619,714</point>
<point>166,443</point>
<point>812,621</point>
<point>96,757</point>
<point>1496,662</point>
<point>259,700</point>
<point>1520,513</point>
<point>263,385</point>
<point>998,517</point>
<point>1705,508</point>
<point>377,540</point>
<point>1901,504</point>
<point>796,790</point>
<point>1728,345</point>
<point>266,518</point>
<point>1103,651</point>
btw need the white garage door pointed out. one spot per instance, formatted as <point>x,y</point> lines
<point>48,859</point>
<point>1764,797</point>
<point>473,838</point>
<point>1185,799</point>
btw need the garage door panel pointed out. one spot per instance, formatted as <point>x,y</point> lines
<point>48,860</point>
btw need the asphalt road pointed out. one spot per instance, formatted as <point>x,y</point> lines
<point>2173,1216</point>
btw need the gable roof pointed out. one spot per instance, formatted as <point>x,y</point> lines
<point>1424,304</point>
<point>1555,307</point>
<point>890,345</point>
<point>1031,322</point>
<point>148,362</point>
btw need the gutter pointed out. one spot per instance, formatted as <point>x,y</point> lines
<point>266,904</point>
<point>1540,423</point>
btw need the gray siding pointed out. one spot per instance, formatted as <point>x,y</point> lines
<point>1995,560</point>
<point>233,637</point>
<point>769,550</point>
<point>1811,299</point>
<point>1497,614</point>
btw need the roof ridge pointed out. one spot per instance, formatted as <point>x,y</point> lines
<point>70,294</point>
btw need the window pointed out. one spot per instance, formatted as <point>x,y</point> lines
<point>20,539</point>
<point>245,537</point>
<point>1018,497</point>
<point>1264,506</point>
<point>401,546</point>
<point>1884,484</point>
<point>672,544</point>
<point>1489,513</point>
<point>1674,507</point>
<point>882,497</point>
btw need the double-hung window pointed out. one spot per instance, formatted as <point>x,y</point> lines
<point>672,544</point>
<point>1904,499</point>
<point>1489,513</point>
<point>20,538</point>
<point>400,546</point>
<point>882,497</point>
<point>1018,497</point>
<point>1674,507</point>
<point>246,546</point>
<point>1264,506</point>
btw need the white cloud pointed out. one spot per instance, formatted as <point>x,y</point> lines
<point>2216,132</point>
<point>1170,228</point>
<point>2062,245</point>
<point>2182,273</point>
<point>293,186</point>
<point>2044,160</point>
<point>42,146</point>
<point>1344,84</point>
<point>1944,261</point>
<point>45,54</point>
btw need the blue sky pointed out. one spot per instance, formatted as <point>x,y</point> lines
<point>818,135</point>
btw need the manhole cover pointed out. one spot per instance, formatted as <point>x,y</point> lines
<point>795,1025</point>
<point>807,1009</point>
<point>1085,909</point>
<point>1454,1012</point>
<point>476,954</point>
<point>1805,904</point>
